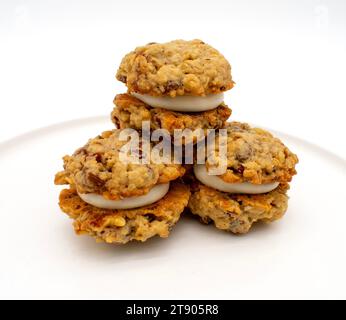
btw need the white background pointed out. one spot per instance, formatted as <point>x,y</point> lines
<point>58,59</point>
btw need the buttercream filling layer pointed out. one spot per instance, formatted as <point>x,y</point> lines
<point>183,103</point>
<point>217,183</point>
<point>154,195</point>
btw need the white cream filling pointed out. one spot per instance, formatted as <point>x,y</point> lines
<point>155,194</point>
<point>217,183</point>
<point>183,103</point>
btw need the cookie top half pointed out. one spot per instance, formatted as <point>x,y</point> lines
<point>98,168</point>
<point>176,68</point>
<point>254,155</point>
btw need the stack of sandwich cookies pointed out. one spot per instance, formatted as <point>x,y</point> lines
<point>252,188</point>
<point>175,85</point>
<point>117,202</point>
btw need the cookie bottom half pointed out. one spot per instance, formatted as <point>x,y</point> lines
<point>237,212</point>
<point>131,112</point>
<point>123,226</point>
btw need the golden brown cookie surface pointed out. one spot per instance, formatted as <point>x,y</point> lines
<point>176,68</point>
<point>237,212</point>
<point>256,156</point>
<point>122,226</point>
<point>97,168</point>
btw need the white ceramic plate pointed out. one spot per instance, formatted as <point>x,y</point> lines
<point>301,256</point>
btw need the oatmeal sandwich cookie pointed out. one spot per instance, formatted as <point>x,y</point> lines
<point>117,201</point>
<point>253,186</point>
<point>174,85</point>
